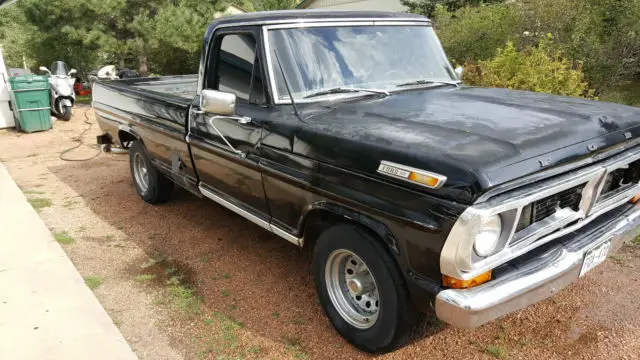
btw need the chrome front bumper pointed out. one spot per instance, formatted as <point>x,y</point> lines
<point>537,275</point>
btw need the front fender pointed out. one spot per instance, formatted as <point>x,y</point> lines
<point>350,215</point>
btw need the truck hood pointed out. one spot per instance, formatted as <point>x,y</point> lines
<point>478,138</point>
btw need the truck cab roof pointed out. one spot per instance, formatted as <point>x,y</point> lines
<point>288,16</point>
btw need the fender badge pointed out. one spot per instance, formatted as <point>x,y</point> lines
<point>412,175</point>
<point>628,135</point>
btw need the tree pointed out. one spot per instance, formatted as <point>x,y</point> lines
<point>428,7</point>
<point>14,37</point>
<point>143,34</point>
<point>264,5</point>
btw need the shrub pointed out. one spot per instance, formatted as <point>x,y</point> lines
<point>537,68</point>
<point>474,33</point>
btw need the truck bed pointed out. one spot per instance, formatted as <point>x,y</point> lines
<point>183,86</point>
<point>163,99</point>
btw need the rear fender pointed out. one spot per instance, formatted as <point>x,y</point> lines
<point>127,135</point>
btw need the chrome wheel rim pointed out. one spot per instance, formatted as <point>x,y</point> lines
<point>352,289</point>
<point>141,172</point>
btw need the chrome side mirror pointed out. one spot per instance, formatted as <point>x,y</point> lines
<point>218,102</point>
<point>72,71</point>
<point>43,68</point>
<point>459,71</point>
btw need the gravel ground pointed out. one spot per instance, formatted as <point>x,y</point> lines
<point>191,280</point>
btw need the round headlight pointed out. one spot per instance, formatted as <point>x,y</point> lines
<point>487,238</point>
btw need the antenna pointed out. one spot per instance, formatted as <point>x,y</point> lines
<point>286,84</point>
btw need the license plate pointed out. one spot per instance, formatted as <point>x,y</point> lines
<point>595,256</point>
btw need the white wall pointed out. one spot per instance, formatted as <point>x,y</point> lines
<point>6,116</point>
<point>375,5</point>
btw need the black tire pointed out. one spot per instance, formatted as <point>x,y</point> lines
<point>159,188</point>
<point>66,113</point>
<point>398,320</point>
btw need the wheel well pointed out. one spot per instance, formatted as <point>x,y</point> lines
<point>126,138</point>
<point>320,219</point>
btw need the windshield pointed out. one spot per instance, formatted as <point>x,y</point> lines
<point>59,68</point>
<point>316,59</point>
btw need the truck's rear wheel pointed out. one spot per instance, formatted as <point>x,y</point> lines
<point>152,186</point>
<point>362,290</point>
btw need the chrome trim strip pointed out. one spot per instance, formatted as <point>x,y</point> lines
<point>236,209</point>
<point>249,216</point>
<point>319,23</point>
<point>441,178</point>
<point>535,280</point>
<point>285,235</point>
<point>302,21</point>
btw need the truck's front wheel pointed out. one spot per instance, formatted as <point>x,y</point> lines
<point>362,291</point>
<point>151,185</point>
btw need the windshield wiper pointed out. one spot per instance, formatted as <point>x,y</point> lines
<point>341,90</point>
<point>429,82</point>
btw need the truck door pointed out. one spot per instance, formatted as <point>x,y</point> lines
<point>225,149</point>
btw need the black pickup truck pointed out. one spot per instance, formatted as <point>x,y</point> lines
<point>350,133</point>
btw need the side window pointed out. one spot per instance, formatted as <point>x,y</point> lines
<point>238,70</point>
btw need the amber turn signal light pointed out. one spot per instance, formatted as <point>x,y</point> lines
<point>423,179</point>
<point>635,199</point>
<point>454,283</point>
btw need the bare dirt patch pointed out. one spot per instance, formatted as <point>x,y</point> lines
<point>191,280</point>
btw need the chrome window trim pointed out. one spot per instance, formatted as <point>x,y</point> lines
<point>294,23</point>
<point>323,23</point>
<point>457,257</point>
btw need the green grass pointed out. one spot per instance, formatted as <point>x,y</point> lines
<point>69,203</point>
<point>32,192</point>
<point>225,293</point>
<point>275,314</point>
<point>63,238</point>
<point>435,324</point>
<point>183,297</point>
<point>496,351</point>
<point>39,203</point>
<point>145,277</point>
<point>86,99</point>
<point>294,347</point>
<point>204,258</point>
<point>617,259</point>
<point>93,281</point>
<point>636,241</point>
<point>226,276</point>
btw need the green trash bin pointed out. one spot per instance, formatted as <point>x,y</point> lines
<point>30,96</point>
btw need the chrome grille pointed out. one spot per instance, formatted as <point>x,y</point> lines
<point>546,207</point>
<point>621,178</point>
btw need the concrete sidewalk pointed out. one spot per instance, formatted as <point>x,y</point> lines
<point>46,310</point>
